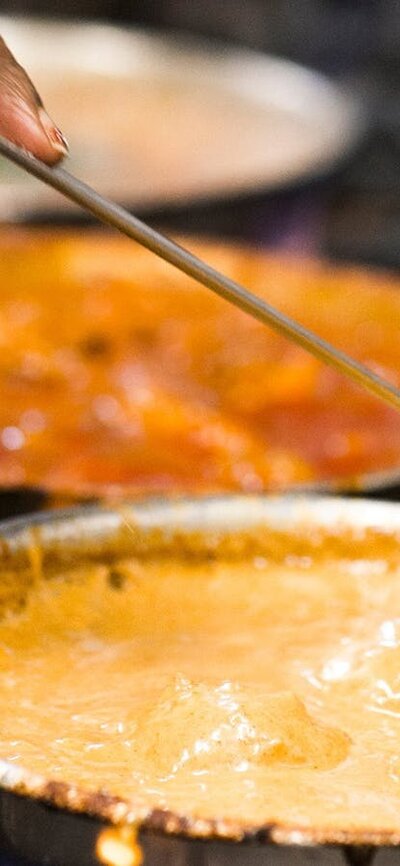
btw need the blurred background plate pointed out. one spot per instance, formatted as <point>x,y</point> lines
<point>156,120</point>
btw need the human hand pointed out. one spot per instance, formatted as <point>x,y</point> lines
<point>23,119</point>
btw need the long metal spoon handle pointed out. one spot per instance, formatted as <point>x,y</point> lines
<point>116,216</point>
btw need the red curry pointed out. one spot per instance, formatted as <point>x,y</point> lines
<point>119,375</point>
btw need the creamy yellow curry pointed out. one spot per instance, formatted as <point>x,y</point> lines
<point>260,686</point>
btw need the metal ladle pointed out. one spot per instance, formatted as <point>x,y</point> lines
<point>114,215</point>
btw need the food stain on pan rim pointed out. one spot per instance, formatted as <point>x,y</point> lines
<point>122,812</point>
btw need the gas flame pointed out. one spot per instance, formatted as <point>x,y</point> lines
<point>119,847</point>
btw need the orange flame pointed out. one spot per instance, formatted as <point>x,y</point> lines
<point>119,847</point>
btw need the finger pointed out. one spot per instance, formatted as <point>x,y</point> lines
<point>23,118</point>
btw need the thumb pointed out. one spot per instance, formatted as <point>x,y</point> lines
<point>23,119</point>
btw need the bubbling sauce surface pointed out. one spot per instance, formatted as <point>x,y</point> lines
<point>146,382</point>
<point>248,689</point>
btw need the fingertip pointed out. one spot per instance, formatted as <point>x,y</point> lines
<point>23,118</point>
<point>33,131</point>
<point>57,147</point>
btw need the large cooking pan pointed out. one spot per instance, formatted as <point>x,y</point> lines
<point>52,822</point>
<point>151,117</point>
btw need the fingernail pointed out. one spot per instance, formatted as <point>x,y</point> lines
<point>59,139</point>
<point>55,136</point>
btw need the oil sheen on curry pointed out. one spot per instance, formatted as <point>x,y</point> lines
<point>258,687</point>
<point>120,375</point>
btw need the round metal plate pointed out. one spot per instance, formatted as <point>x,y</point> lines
<point>155,120</point>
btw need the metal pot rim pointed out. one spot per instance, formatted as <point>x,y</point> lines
<point>380,481</point>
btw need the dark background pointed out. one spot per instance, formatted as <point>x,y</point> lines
<point>357,210</point>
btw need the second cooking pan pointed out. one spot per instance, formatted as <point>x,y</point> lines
<point>121,377</point>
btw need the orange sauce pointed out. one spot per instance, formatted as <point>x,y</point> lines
<point>258,688</point>
<point>119,375</point>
